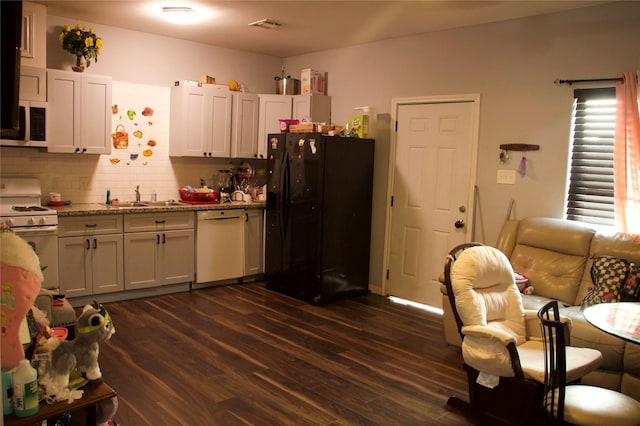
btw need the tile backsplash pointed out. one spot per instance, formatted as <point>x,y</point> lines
<point>83,178</point>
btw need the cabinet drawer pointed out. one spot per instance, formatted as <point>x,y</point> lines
<point>89,225</point>
<point>158,221</point>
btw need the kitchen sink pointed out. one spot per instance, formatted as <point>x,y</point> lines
<point>162,203</point>
<point>130,204</point>
<point>124,204</point>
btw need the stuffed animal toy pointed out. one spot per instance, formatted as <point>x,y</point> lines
<point>20,280</point>
<point>93,326</point>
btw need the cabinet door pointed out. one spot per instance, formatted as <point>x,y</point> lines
<point>141,262</point>
<point>253,242</point>
<point>244,129</point>
<point>317,107</point>
<point>176,251</point>
<point>79,113</point>
<point>95,131</point>
<point>219,124</point>
<point>188,122</point>
<point>73,253</point>
<point>272,109</point>
<point>106,264</point>
<point>33,48</point>
<point>200,122</point>
<point>33,84</point>
<point>63,114</point>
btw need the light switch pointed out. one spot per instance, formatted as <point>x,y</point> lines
<point>507,177</point>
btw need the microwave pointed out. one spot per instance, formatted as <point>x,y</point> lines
<point>32,117</point>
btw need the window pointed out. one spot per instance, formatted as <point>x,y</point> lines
<point>591,190</point>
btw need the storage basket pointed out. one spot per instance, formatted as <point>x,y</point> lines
<point>120,137</point>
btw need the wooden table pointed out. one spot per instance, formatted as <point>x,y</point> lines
<point>93,394</point>
<point>618,319</point>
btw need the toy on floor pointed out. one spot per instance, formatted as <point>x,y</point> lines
<point>20,277</point>
<point>79,355</point>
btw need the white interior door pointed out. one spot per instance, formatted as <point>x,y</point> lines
<point>433,177</point>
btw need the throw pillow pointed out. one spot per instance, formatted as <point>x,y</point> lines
<point>630,290</point>
<point>608,275</point>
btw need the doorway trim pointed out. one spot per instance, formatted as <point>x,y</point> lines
<point>471,202</point>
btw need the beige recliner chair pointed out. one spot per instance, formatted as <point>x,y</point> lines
<point>501,342</point>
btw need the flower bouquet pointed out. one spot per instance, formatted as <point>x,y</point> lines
<point>82,43</point>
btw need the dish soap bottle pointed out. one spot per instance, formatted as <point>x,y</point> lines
<point>25,390</point>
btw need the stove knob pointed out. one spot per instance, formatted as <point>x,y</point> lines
<point>43,220</point>
<point>10,222</point>
<point>32,221</point>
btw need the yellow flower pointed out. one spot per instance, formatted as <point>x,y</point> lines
<point>81,41</point>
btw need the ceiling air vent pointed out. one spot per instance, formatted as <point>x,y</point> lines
<point>265,23</point>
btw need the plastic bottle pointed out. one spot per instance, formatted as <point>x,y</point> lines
<point>108,196</point>
<point>25,390</point>
<point>7,392</point>
<point>154,196</point>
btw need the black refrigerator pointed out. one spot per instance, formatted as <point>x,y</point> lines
<point>318,215</point>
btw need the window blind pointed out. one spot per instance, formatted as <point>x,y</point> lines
<point>591,188</point>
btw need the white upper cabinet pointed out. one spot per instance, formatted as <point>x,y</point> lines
<point>79,113</point>
<point>33,84</point>
<point>33,49</point>
<point>200,121</point>
<point>276,107</point>
<point>244,128</point>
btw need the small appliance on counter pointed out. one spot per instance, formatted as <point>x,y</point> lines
<point>223,179</point>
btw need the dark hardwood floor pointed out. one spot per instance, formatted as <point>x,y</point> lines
<point>245,355</point>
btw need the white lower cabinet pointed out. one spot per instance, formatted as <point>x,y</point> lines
<point>90,255</point>
<point>253,242</point>
<point>159,249</point>
<point>132,251</point>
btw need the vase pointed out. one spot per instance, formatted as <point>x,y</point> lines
<point>79,64</point>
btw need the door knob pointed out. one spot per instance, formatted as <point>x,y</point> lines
<point>459,224</point>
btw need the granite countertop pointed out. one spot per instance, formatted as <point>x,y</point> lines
<point>101,209</point>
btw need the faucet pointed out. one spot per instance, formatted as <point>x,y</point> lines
<point>137,193</point>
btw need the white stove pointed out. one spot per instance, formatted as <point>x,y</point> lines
<point>22,211</point>
<point>20,204</point>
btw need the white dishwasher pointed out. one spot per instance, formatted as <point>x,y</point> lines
<point>219,245</point>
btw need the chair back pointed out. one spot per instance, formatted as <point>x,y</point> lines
<point>482,290</point>
<point>555,337</point>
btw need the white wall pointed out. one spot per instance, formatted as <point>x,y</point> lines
<point>512,65</point>
<point>137,57</point>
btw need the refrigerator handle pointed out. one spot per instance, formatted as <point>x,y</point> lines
<point>285,189</point>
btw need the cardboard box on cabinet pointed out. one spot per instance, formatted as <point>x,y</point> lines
<point>360,124</point>
<point>312,81</point>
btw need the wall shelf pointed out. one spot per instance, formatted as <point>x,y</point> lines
<point>520,147</point>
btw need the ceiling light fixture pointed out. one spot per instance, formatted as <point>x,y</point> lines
<point>265,23</point>
<point>179,14</point>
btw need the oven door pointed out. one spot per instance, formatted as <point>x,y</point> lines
<point>44,240</point>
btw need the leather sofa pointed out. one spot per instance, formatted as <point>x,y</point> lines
<point>556,255</point>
